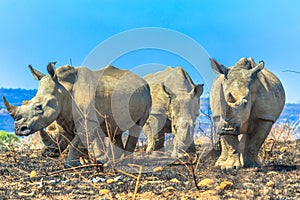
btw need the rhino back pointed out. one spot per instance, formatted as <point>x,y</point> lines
<point>119,94</point>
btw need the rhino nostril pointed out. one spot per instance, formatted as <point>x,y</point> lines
<point>23,128</point>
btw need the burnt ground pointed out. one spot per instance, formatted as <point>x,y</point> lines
<point>26,174</point>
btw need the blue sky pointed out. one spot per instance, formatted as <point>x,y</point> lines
<point>36,32</point>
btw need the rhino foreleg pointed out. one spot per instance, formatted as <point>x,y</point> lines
<point>55,144</point>
<point>132,140</point>
<point>155,133</point>
<point>184,143</point>
<point>252,142</point>
<point>77,150</point>
<point>224,153</point>
<point>116,148</point>
<point>230,144</point>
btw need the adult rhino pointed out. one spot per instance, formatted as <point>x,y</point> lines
<point>245,99</point>
<point>89,105</point>
<point>175,107</point>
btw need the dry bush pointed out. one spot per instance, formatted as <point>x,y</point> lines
<point>280,132</point>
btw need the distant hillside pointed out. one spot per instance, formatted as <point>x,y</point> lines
<point>291,112</point>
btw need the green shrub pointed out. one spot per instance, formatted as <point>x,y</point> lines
<point>8,139</point>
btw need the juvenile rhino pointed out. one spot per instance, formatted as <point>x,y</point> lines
<point>55,139</point>
<point>82,101</point>
<point>245,99</point>
<point>176,104</point>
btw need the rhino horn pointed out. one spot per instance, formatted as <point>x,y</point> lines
<point>258,68</point>
<point>10,108</point>
<point>223,101</point>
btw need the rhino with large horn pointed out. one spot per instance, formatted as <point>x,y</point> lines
<point>245,99</point>
<point>10,108</point>
<point>87,104</point>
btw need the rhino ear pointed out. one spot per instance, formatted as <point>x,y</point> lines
<point>198,90</point>
<point>258,68</point>
<point>51,69</point>
<point>219,68</point>
<point>36,74</point>
<point>168,92</point>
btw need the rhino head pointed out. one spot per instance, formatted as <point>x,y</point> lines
<point>42,109</point>
<point>237,92</point>
<point>183,110</point>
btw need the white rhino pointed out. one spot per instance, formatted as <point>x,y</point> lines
<point>175,107</point>
<point>245,99</point>
<point>82,101</point>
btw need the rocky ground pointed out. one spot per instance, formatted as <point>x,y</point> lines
<point>25,174</point>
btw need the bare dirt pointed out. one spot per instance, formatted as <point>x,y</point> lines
<point>26,174</point>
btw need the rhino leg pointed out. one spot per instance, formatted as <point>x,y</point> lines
<point>77,150</point>
<point>55,139</point>
<point>116,149</point>
<point>251,142</point>
<point>155,133</point>
<point>133,137</point>
<point>224,154</point>
<point>183,143</point>
<point>51,146</point>
<point>231,144</point>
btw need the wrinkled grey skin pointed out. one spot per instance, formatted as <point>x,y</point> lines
<point>67,97</point>
<point>245,99</point>
<point>176,104</point>
<point>54,138</point>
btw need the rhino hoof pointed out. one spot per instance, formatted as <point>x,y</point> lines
<point>73,163</point>
<point>49,152</point>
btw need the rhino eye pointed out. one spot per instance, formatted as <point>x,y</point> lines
<point>38,108</point>
<point>231,98</point>
<point>216,118</point>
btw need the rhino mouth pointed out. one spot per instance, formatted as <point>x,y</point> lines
<point>229,131</point>
<point>23,130</point>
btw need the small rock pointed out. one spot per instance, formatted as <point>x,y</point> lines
<point>117,178</point>
<point>26,194</point>
<point>33,174</point>
<point>272,173</point>
<point>52,182</point>
<point>250,194</point>
<point>174,180</point>
<point>283,149</point>
<point>224,185</point>
<point>169,188</point>
<point>104,191</point>
<point>120,183</point>
<point>207,182</point>
<point>109,181</point>
<point>33,156</point>
<point>270,184</point>
<point>97,179</point>
<point>248,185</point>
<point>157,169</point>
